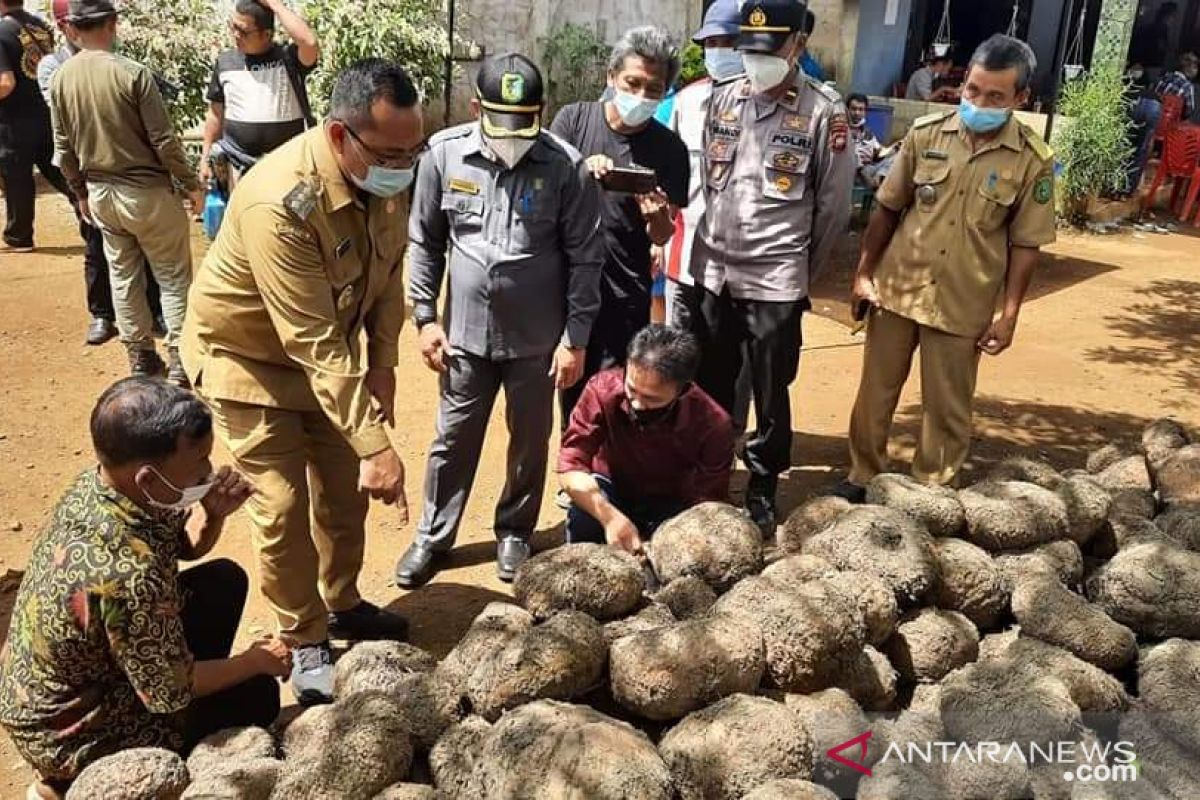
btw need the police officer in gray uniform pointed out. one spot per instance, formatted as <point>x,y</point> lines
<point>514,213</point>
<point>778,178</point>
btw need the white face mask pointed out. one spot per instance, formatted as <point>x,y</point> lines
<point>765,71</point>
<point>187,497</point>
<point>511,151</point>
<point>635,111</point>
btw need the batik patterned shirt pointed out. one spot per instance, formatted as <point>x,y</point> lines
<point>96,659</point>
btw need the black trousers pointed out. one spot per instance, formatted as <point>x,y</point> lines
<point>647,514</point>
<point>28,148</point>
<point>96,280</point>
<point>614,328</point>
<point>766,337</point>
<point>214,594</point>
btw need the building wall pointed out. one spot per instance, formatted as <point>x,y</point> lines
<point>878,54</point>
<point>502,25</point>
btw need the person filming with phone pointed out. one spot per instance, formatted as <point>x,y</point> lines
<point>644,169</point>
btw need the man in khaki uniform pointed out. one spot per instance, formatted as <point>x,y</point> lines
<point>961,218</point>
<point>291,337</point>
<point>120,154</point>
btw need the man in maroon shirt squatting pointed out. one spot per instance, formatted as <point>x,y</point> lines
<point>644,443</point>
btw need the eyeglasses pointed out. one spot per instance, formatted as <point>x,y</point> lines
<point>402,161</point>
<point>240,32</point>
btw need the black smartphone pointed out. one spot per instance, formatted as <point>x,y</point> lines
<point>631,180</point>
<point>861,310</point>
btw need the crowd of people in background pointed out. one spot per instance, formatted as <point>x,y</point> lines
<point>533,247</point>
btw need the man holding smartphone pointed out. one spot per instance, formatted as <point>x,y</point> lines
<point>512,214</point>
<point>622,141</point>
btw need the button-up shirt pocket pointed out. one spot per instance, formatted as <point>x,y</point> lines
<point>344,265</point>
<point>785,173</point>
<point>465,213</point>
<point>718,162</point>
<point>534,223</point>
<point>993,204</point>
<point>932,184</point>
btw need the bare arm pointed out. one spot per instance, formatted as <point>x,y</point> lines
<point>586,495</point>
<point>306,41</point>
<point>265,657</point>
<point>214,124</point>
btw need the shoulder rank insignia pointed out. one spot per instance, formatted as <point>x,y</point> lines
<point>1036,143</point>
<point>929,119</point>
<point>301,200</point>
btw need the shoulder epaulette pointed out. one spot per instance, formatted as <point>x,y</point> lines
<point>929,119</point>
<point>301,199</point>
<point>449,134</point>
<point>828,93</point>
<point>1036,143</point>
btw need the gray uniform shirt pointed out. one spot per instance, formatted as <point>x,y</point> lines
<point>778,180</point>
<point>524,246</point>
<point>920,85</point>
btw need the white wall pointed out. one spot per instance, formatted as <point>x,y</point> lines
<point>502,25</point>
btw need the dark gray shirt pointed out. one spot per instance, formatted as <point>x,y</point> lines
<point>524,245</point>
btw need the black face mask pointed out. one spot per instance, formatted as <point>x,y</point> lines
<point>644,418</point>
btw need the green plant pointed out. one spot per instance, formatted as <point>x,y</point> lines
<point>1092,145</point>
<point>177,39</point>
<point>693,68</point>
<point>574,60</point>
<point>411,32</point>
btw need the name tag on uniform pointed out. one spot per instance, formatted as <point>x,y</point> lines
<point>464,186</point>
<point>796,140</point>
<point>936,155</point>
<point>342,248</point>
<point>720,131</point>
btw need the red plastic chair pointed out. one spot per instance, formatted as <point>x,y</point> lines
<point>1192,134</point>
<point>1178,154</point>
<point>1172,113</point>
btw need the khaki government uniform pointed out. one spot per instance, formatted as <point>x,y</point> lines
<point>300,294</point>
<point>118,150</point>
<point>941,279</point>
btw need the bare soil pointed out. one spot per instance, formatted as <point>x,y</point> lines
<point>1109,340</point>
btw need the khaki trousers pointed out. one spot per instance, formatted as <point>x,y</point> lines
<point>144,225</point>
<point>949,366</point>
<point>308,517</point>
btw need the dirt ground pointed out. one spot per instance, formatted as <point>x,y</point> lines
<point>1109,340</point>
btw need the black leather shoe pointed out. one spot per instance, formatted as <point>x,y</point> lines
<point>367,622</point>
<point>100,331</point>
<point>176,374</point>
<point>849,491</point>
<point>761,510</point>
<point>417,566</point>
<point>145,363</point>
<point>511,553</point>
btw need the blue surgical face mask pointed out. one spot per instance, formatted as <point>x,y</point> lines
<point>723,62</point>
<point>982,120</point>
<point>635,111</point>
<point>384,182</point>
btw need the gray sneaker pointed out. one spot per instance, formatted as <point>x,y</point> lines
<point>312,674</point>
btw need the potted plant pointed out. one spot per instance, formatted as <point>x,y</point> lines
<point>1092,144</point>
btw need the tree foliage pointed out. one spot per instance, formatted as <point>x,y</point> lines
<point>1093,144</point>
<point>411,32</point>
<point>177,39</point>
<point>575,63</point>
<point>693,68</point>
